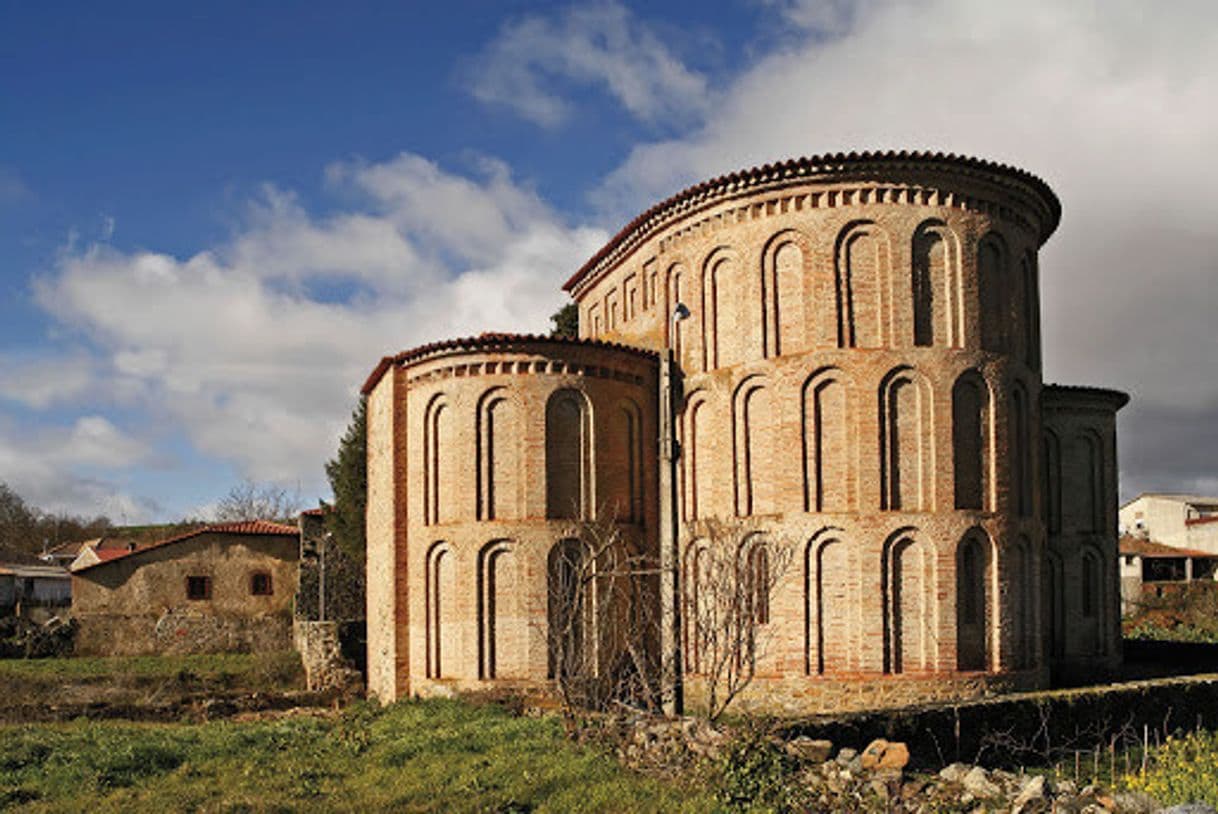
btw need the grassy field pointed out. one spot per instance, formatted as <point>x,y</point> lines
<point>424,756</point>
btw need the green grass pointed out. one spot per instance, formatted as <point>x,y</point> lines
<point>419,756</point>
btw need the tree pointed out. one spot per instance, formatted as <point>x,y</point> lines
<point>731,571</point>
<point>348,474</point>
<point>565,322</point>
<point>18,522</point>
<point>257,501</point>
<point>602,619</point>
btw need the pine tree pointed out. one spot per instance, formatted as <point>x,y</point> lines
<point>348,474</point>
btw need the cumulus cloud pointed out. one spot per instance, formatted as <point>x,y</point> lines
<point>533,61</point>
<point>1112,103</point>
<point>40,380</point>
<point>256,347</point>
<point>61,468</point>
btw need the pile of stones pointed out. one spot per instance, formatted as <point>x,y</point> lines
<point>877,778</point>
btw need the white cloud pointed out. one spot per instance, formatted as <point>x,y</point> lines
<point>233,345</point>
<point>532,61</point>
<point>40,380</point>
<point>58,468</point>
<point>1112,103</point>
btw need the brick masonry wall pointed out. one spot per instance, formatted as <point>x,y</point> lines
<point>843,332</point>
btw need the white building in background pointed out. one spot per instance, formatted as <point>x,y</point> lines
<point>1183,521</point>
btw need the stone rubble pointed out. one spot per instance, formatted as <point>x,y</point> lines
<point>875,779</point>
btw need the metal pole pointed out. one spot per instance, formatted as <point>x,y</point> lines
<point>670,587</point>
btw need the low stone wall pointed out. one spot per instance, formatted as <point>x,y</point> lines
<point>321,649</point>
<point>179,632</point>
<point>801,695</point>
<point>1030,728</point>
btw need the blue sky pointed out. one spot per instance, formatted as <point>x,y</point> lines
<point>214,219</point>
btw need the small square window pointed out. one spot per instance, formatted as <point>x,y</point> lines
<point>260,584</point>
<point>198,587</point>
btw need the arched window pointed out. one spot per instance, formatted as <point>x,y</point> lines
<point>992,295</point>
<point>724,337</point>
<point>970,409</point>
<point>568,456</point>
<point>439,590</point>
<point>569,599</point>
<point>501,628</point>
<point>1021,451</point>
<point>700,468</point>
<point>1053,482</point>
<point>757,579</point>
<point>827,599</point>
<point>861,272</point>
<point>498,459</point>
<point>935,286</point>
<point>973,602</point>
<point>785,320</point>
<point>630,435</point>
<point>437,458</point>
<point>1022,598</point>
<point>905,585</point>
<point>907,442</point>
<point>673,331</point>
<point>828,476</point>
<point>696,610</point>
<point>1052,586</point>
<point>756,455</point>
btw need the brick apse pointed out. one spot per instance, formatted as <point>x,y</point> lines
<point>859,377</point>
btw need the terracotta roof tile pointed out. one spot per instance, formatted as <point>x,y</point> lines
<point>796,168</point>
<point>1136,546</point>
<point>490,340</point>
<point>248,527</point>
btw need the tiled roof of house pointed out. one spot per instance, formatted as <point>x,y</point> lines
<point>246,527</point>
<point>792,170</point>
<point>489,340</point>
<point>1140,547</point>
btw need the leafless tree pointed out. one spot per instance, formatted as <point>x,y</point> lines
<point>731,569</point>
<point>257,501</point>
<point>602,621</point>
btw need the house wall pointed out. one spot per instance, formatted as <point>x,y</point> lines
<point>138,605</point>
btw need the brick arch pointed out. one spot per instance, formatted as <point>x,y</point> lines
<point>827,429</point>
<point>1092,600</point>
<point>437,458</point>
<point>569,455</point>
<point>439,608</point>
<point>1051,464</point>
<point>829,608</point>
<point>972,441</point>
<point>935,286</point>
<point>993,260</point>
<point>1019,451</point>
<point>754,422</point>
<point>724,333</point>
<point>570,610</point>
<point>975,601</point>
<point>695,597</point>
<point>1027,312</point>
<point>788,319</point>
<point>1087,489</point>
<point>502,628</point>
<point>497,470</point>
<point>907,448</point>
<point>908,590</point>
<point>629,433</point>
<point>1019,577</point>
<point>676,284</point>
<point>863,260</point>
<point>700,464</point>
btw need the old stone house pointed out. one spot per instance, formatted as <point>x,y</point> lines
<point>841,351</point>
<point>223,587</point>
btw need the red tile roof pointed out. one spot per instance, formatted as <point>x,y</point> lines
<point>714,190</point>
<point>490,340</point>
<point>318,512</point>
<point>247,527</point>
<point>1138,547</point>
<point>1197,521</point>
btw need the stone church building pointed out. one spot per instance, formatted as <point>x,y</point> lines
<point>840,352</point>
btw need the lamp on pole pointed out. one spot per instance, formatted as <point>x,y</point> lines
<point>670,580</point>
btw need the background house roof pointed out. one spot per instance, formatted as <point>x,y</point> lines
<point>257,528</point>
